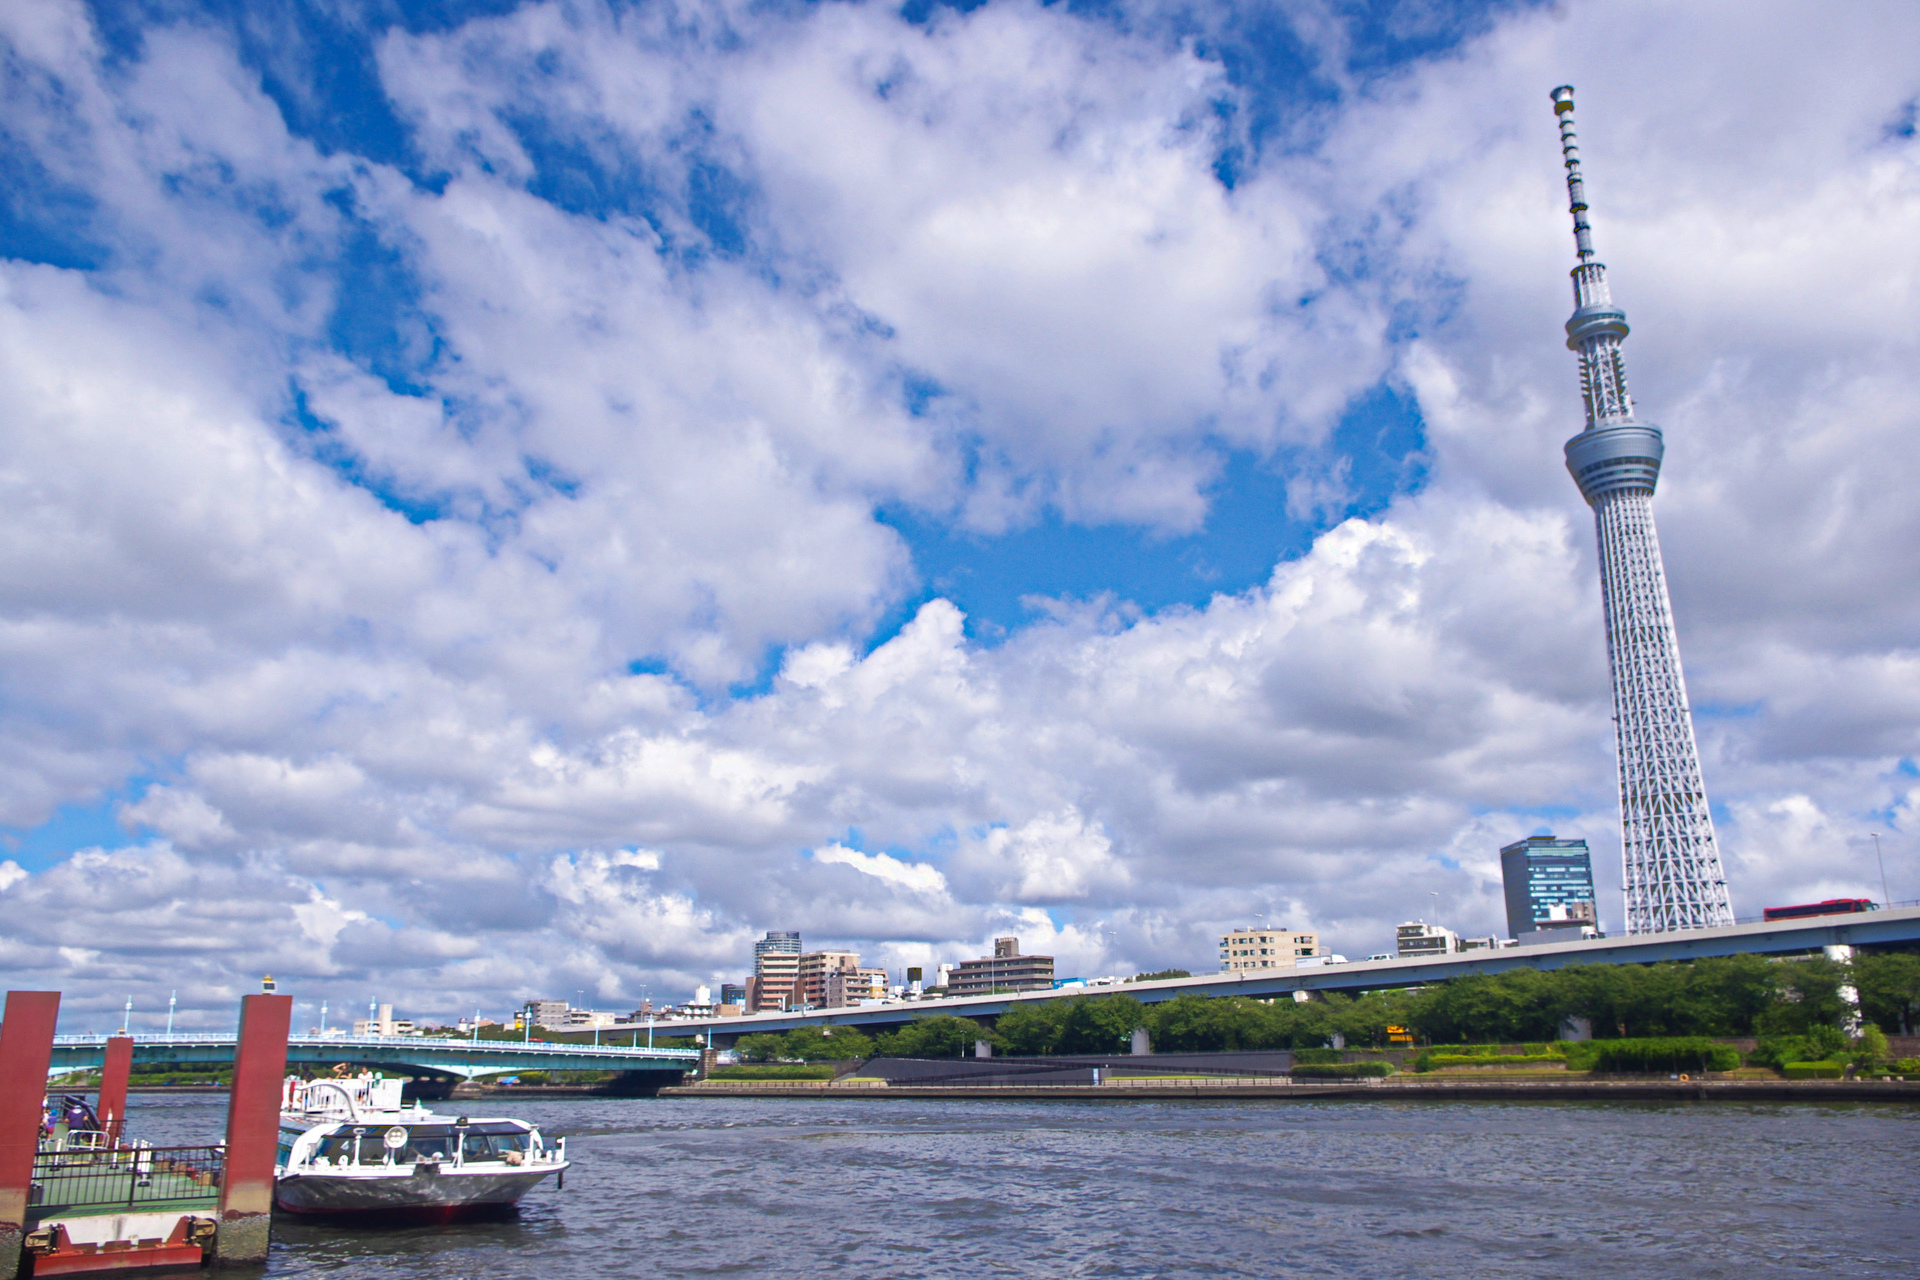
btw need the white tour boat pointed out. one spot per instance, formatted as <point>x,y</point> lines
<point>350,1147</point>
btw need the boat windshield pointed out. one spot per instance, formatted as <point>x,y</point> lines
<point>424,1142</point>
<point>492,1141</point>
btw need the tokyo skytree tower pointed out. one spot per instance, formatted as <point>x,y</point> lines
<point>1673,874</point>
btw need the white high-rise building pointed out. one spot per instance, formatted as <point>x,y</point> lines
<point>1673,874</point>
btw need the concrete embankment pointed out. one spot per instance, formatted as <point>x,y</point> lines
<point>1390,1089</point>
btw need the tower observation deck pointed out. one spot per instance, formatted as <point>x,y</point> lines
<point>1673,875</point>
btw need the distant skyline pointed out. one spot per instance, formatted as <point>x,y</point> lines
<point>513,499</point>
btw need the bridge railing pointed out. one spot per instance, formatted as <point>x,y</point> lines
<point>190,1039</point>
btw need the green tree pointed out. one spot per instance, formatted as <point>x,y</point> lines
<point>1031,1029</point>
<point>1199,1024</point>
<point>1890,990</point>
<point>1364,1021</point>
<point>758,1048</point>
<point>1521,1005</point>
<point>1810,997</point>
<point>1726,995</point>
<point>1101,1024</point>
<point>940,1036</point>
<point>812,1044</point>
<point>1160,975</point>
<point>1870,1048</point>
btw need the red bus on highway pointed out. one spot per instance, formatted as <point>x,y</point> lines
<point>1831,907</point>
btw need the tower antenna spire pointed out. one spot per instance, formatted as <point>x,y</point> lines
<point>1673,874</point>
<point>1576,184</point>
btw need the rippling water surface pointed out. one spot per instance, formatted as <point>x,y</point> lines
<point>1382,1190</point>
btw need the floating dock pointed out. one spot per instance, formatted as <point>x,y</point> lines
<point>94,1200</point>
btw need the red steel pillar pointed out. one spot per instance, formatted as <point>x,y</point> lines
<point>112,1107</point>
<point>253,1130</point>
<point>26,1050</point>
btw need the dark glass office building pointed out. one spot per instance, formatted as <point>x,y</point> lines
<point>1549,884</point>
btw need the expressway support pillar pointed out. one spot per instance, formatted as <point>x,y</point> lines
<point>112,1105</point>
<point>253,1130</point>
<point>26,1050</point>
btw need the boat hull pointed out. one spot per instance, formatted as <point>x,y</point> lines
<point>443,1194</point>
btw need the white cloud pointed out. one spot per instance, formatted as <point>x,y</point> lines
<point>380,644</point>
<point>913,876</point>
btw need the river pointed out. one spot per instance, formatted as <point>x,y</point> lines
<point>1381,1190</point>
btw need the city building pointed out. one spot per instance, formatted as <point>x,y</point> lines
<point>1267,948</point>
<point>1549,884</point>
<point>851,986</point>
<point>1418,938</point>
<point>1673,875</point>
<point>776,972</point>
<point>1005,970</point>
<point>383,1025</point>
<point>541,1013</point>
<point>732,993</point>
<point>811,975</point>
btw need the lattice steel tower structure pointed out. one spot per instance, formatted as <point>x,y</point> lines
<point>1673,874</point>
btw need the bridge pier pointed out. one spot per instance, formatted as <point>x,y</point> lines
<point>26,1050</point>
<point>253,1130</point>
<point>111,1105</point>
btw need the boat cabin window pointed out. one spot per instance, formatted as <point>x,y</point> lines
<point>424,1142</point>
<point>491,1141</point>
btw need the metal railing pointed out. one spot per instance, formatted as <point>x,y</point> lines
<point>130,1177</point>
<point>435,1043</point>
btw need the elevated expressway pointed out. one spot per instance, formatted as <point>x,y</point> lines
<point>466,1059</point>
<point>1872,928</point>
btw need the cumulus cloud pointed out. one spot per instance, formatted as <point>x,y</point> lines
<point>476,545</point>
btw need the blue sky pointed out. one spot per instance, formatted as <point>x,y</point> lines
<point>317,64</point>
<point>539,475</point>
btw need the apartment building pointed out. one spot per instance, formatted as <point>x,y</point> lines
<point>384,1025</point>
<point>851,986</point>
<point>1258,949</point>
<point>774,986</point>
<point>812,972</point>
<point>1005,970</point>
<point>1418,938</point>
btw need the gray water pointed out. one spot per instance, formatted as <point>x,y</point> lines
<point>1381,1190</point>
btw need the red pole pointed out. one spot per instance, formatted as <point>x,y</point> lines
<point>26,1051</point>
<point>113,1086</point>
<point>253,1129</point>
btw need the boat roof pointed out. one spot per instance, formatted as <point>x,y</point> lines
<point>295,1120</point>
